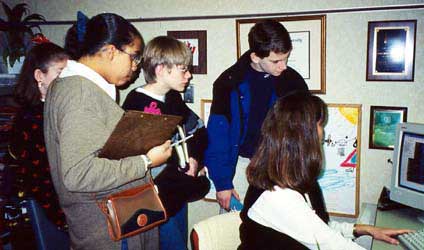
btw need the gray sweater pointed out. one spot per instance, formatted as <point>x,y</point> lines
<point>78,119</point>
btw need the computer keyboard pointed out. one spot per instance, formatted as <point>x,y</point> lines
<point>413,241</point>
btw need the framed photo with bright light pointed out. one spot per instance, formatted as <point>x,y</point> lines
<point>391,50</point>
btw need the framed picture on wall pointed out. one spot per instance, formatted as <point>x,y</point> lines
<point>391,50</point>
<point>205,107</point>
<point>383,122</point>
<point>196,41</point>
<point>308,35</point>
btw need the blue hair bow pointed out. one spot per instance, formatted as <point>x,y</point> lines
<point>81,25</point>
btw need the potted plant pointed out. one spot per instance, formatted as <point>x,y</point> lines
<point>17,31</point>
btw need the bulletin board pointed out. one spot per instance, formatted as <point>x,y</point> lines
<point>339,180</point>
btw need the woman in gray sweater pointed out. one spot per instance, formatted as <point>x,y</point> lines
<point>80,114</point>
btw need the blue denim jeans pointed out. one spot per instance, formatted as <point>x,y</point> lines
<point>173,234</point>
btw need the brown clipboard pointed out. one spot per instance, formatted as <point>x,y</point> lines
<point>137,132</point>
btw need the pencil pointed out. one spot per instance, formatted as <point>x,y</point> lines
<point>182,140</point>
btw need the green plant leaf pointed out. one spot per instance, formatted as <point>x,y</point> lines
<point>15,40</point>
<point>34,17</point>
<point>17,29</point>
<point>5,55</point>
<point>3,25</point>
<point>15,56</point>
<point>7,10</point>
<point>19,11</point>
<point>12,60</point>
<point>25,29</point>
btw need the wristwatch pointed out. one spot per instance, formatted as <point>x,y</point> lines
<point>148,163</point>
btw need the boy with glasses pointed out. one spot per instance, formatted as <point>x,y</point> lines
<point>166,71</point>
<point>242,96</point>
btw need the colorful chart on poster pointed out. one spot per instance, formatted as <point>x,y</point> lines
<point>340,178</point>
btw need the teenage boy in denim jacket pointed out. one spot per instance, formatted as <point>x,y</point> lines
<point>242,95</point>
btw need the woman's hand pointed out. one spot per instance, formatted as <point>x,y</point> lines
<point>379,233</point>
<point>160,154</point>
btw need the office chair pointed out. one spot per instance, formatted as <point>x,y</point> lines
<point>47,236</point>
<point>220,232</point>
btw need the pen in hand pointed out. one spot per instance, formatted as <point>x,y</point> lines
<point>182,140</point>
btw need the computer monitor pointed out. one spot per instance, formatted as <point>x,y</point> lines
<point>408,167</point>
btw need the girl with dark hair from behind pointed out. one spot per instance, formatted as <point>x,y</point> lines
<point>284,206</point>
<point>42,65</point>
<point>80,115</point>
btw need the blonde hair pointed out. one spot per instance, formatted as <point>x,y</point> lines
<point>164,50</point>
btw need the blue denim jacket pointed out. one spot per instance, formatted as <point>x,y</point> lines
<point>229,111</point>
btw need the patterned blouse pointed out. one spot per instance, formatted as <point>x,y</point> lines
<point>33,177</point>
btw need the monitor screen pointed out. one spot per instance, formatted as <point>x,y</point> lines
<point>408,170</point>
<point>411,165</point>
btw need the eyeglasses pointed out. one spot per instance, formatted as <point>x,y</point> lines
<point>183,69</point>
<point>136,58</point>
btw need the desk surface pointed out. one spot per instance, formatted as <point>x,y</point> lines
<point>397,218</point>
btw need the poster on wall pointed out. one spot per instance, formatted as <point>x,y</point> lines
<point>340,178</point>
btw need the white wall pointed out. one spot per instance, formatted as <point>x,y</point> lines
<point>345,62</point>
